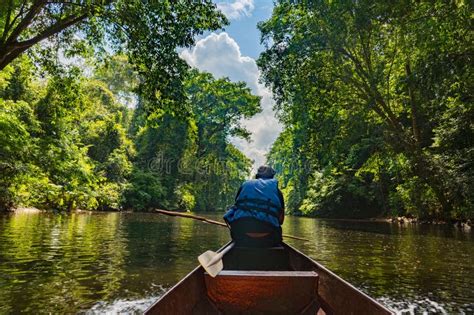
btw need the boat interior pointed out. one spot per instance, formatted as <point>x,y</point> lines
<point>278,280</point>
<point>253,281</point>
<point>270,281</point>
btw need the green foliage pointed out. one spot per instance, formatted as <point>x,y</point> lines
<point>160,145</point>
<point>103,114</point>
<point>15,143</point>
<point>66,148</point>
<point>149,32</point>
<point>119,77</point>
<point>376,99</point>
<point>145,191</point>
<point>218,106</point>
<point>67,142</point>
<point>377,104</point>
<point>192,159</point>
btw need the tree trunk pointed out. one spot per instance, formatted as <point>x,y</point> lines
<point>413,106</point>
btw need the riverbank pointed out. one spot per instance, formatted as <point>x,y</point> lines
<point>465,225</point>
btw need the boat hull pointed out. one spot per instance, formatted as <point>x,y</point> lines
<point>251,280</point>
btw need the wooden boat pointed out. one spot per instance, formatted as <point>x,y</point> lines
<point>266,281</point>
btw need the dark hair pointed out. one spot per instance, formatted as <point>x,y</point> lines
<point>265,171</point>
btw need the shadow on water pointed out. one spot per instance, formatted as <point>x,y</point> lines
<point>111,262</point>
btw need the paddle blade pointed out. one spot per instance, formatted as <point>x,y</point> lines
<point>206,257</point>
<point>210,264</point>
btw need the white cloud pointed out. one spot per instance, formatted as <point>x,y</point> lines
<point>236,9</point>
<point>220,55</point>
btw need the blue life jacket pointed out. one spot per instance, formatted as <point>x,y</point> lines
<point>259,199</point>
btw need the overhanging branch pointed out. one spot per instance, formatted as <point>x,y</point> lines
<point>32,12</point>
<point>54,29</point>
<point>14,49</point>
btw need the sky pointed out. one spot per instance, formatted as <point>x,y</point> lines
<point>232,53</point>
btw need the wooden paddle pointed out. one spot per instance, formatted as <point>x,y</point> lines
<point>212,261</point>
<point>204,219</point>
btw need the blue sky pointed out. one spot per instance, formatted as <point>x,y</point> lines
<point>244,29</point>
<point>232,53</point>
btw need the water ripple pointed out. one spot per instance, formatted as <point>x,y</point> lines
<point>121,262</point>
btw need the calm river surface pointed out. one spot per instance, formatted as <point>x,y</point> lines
<point>121,262</point>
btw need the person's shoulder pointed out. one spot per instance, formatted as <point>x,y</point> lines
<point>251,181</point>
<point>256,181</point>
<point>272,180</point>
<point>247,183</point>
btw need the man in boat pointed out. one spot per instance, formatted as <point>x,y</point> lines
<point>256,217</point>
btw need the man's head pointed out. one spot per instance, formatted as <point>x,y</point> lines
<point>265,171</point>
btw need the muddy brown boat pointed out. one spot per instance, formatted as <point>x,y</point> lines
<point>278,280</point>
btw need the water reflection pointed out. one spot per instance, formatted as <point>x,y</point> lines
<point>422,268</point>
<point>101,262</point>
<point>59,263</point>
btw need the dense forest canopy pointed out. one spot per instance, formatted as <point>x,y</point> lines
<point>68,141</point>
<point>377,102</point>
<point>147,31</point>
<point>97,110</point>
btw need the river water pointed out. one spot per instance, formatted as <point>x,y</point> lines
<point>121,262</point>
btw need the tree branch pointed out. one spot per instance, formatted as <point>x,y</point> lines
<point>32,12</point>
<point>15,49</point>
<point>6,28</point>
<point>20,13</point>
<point>373,92</point>
<point>54,29</point>
<point>413,107</point>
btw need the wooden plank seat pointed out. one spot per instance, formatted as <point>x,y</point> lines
<point>263,292</point>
